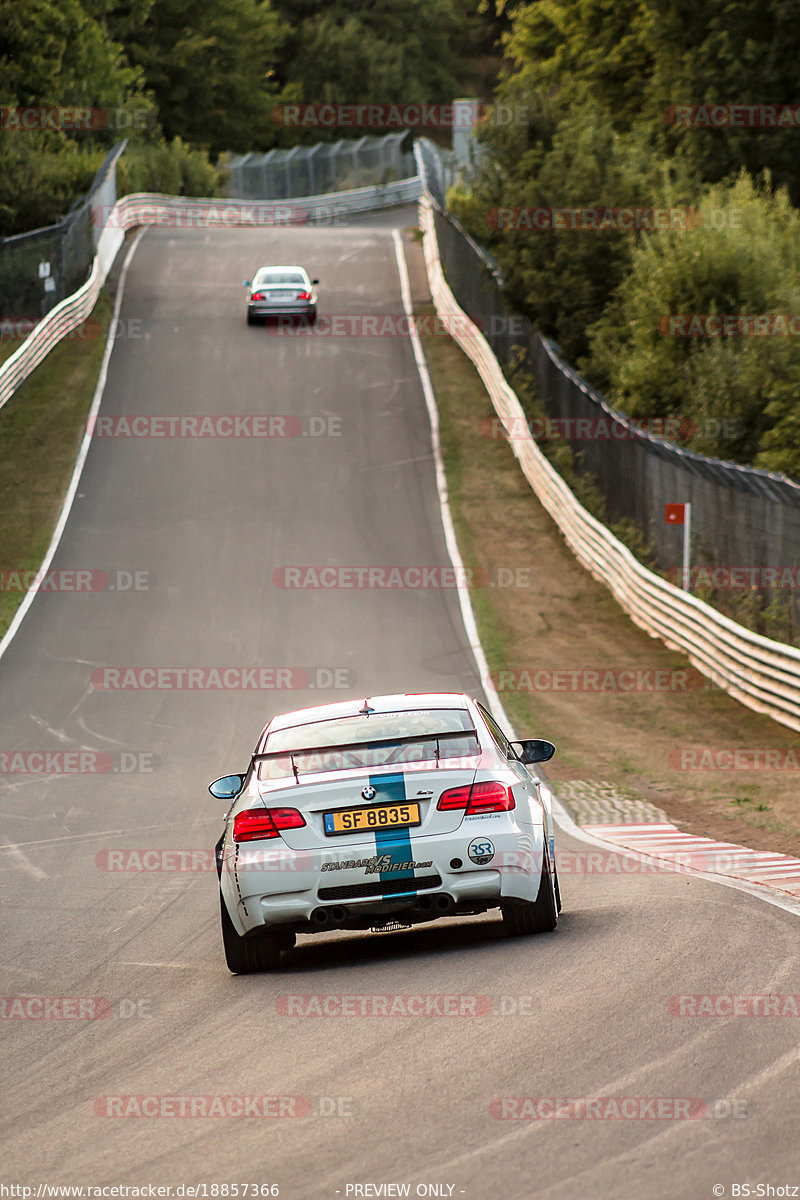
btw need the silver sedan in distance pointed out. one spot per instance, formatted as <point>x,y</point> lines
<point>281,292</point>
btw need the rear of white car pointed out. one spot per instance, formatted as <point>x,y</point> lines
<point>422,816</point>
<point>281,292</point>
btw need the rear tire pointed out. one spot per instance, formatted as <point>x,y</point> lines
<point>523,917</point>
<point>251,319</point>
<point>247,955</point>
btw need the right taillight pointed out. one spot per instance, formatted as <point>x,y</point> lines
<point>489,796</point>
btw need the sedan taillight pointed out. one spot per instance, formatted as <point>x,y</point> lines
<point>257,824</point>
<point>304,295</point>
<point>491,796</point>
<point>257,296</point>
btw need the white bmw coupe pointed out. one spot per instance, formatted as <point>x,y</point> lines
<point>379,814</point>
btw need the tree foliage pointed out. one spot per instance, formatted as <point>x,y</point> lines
<point>210,68</point>
<point>658,355</point>
<point>585,118</point>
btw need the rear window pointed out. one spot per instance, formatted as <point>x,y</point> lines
<point>364,742</point>
<point>281,280</point>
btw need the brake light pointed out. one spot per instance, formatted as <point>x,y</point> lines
<point>257,296</point>
<point>304,295</point>
<point>287,818</point>
<point>457,797</point>
<point>258,824</point>
<point>490,796</point>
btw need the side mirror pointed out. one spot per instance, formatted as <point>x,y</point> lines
<point>533,750</point>
<point>313,281</point>
<point>246,283</point>
<point>227,787</point>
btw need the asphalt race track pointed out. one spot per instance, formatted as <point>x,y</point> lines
<point>424,1099</point>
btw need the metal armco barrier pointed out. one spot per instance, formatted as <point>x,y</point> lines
<point>761,673</point>
<point>59,322</point>
<point>146,208</point>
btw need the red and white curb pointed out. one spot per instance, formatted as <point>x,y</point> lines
<point>704,855</point>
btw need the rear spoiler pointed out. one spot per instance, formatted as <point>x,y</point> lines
<point>372,744</point>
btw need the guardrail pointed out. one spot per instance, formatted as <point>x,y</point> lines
<point>146,208</point>
<point>759,672</point>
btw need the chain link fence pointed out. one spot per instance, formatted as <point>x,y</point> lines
<point>745,523</point>
<point>317,170</point>
<point>40,268</point>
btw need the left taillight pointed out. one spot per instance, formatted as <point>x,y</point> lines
<point>257,824</point>
<point>489,796</point>
<point>257,296</point>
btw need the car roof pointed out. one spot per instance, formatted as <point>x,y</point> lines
<point>281,270</point>
<point>402,702</point>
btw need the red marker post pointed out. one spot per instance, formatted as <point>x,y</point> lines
<point>681,514</point>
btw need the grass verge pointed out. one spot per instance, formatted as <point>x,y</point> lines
<point>41,428</point>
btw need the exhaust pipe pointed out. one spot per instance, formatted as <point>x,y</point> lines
<point>329,918</point>
<point>445,903</point>
<point>425,903</point>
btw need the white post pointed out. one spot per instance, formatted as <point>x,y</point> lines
<point>687,541</point>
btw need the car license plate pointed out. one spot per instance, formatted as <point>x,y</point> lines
<point>375,816</point>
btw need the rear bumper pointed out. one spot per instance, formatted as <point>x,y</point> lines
<point>276,310</point>
<point>264,888</point>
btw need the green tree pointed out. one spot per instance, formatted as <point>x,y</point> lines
<point>562,277</point>
<point>639,58</point>
<point>395,52</point>
<point>742,259</point>
<point>57,53</point>
<point>210,68</point>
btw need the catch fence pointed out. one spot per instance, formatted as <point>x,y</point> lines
<point>41,268</point>
<point>745,522</point>
<point>317,170</point>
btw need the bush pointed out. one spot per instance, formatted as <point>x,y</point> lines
<point>173,168</point>
<point>742,259</point>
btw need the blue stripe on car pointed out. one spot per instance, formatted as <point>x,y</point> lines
<point>391,789</point>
